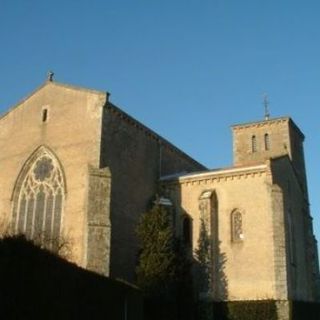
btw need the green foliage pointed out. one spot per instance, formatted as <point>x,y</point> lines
<point>203,250</point>
<point>260,310</point>
<point>163,272</point>
<point>37,284</point>
<point>157,261</point>
<point>204,258</point>
<point>246,310</point>
<point>252,310</point>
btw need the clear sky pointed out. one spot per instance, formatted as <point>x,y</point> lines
<point>186,68</point>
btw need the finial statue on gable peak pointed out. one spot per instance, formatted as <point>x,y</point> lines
<point>50,76</point>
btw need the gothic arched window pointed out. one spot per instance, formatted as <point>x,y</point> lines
<point>266,142</point>
<point>254,144</point>
<point>236,226</point>
<point>38,199</point>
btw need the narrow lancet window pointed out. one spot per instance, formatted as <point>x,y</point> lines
<point>254,144</point>
<point>266,142</point>
<point>44,115</point>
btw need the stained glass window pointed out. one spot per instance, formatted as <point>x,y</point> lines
<point>39,198</point>
<point>236,226</point>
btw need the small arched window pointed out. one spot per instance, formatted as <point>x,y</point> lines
<point>44,115</point>
<point>187,231</point>
<point>266,142</point>
<point>254,144</point>
<point>236,226</point>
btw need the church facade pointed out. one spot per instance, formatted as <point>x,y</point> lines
<point>77,170</point>
<point>256,215</point>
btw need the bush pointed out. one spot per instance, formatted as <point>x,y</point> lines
<point>163,271</point>
<point>245,310</point>
<point>305,310</point>
<point>36,284</point>
<point>252,310</point>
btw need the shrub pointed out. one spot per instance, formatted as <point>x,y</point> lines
<point>245,310</point>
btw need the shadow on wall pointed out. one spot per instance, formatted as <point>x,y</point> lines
<point>209,268</point>
<point>222,278</point>
<point>36,284</point>
<point>209,263</point>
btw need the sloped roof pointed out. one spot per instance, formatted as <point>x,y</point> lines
<point>217,172</point>
<point>50,83</point>
<point>108,104</point>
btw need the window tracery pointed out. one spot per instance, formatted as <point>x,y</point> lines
<point>236,226</point>
<point>38,200</point>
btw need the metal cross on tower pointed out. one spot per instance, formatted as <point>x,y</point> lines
<point>266,107</point>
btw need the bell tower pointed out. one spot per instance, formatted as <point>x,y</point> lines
<point>256,142</point>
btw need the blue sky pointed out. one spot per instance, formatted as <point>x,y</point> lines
<point>187,69</point>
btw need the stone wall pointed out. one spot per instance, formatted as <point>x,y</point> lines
<point>297,155</point>
<point>278,135</point>
<point>99,233</point>
<point>275,257</point>
<point>279,244</point>
<point>301,265</point>
<point>245,265</point>
<point>137,157</point>
<point>72,132</point>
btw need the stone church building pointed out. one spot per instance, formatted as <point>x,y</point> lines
<point>76,167</point>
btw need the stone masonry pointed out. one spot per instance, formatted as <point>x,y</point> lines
<point>74,164</point>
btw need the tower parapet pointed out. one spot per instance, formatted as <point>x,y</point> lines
<point>256,142</point>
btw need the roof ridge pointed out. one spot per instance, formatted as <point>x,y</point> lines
<point>44,84</point>
<point>220,171</point>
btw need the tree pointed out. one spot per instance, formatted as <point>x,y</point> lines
<point>204,259</point>
<point>156,268</point>
<point>204,280</point>
<point>163,268</point>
